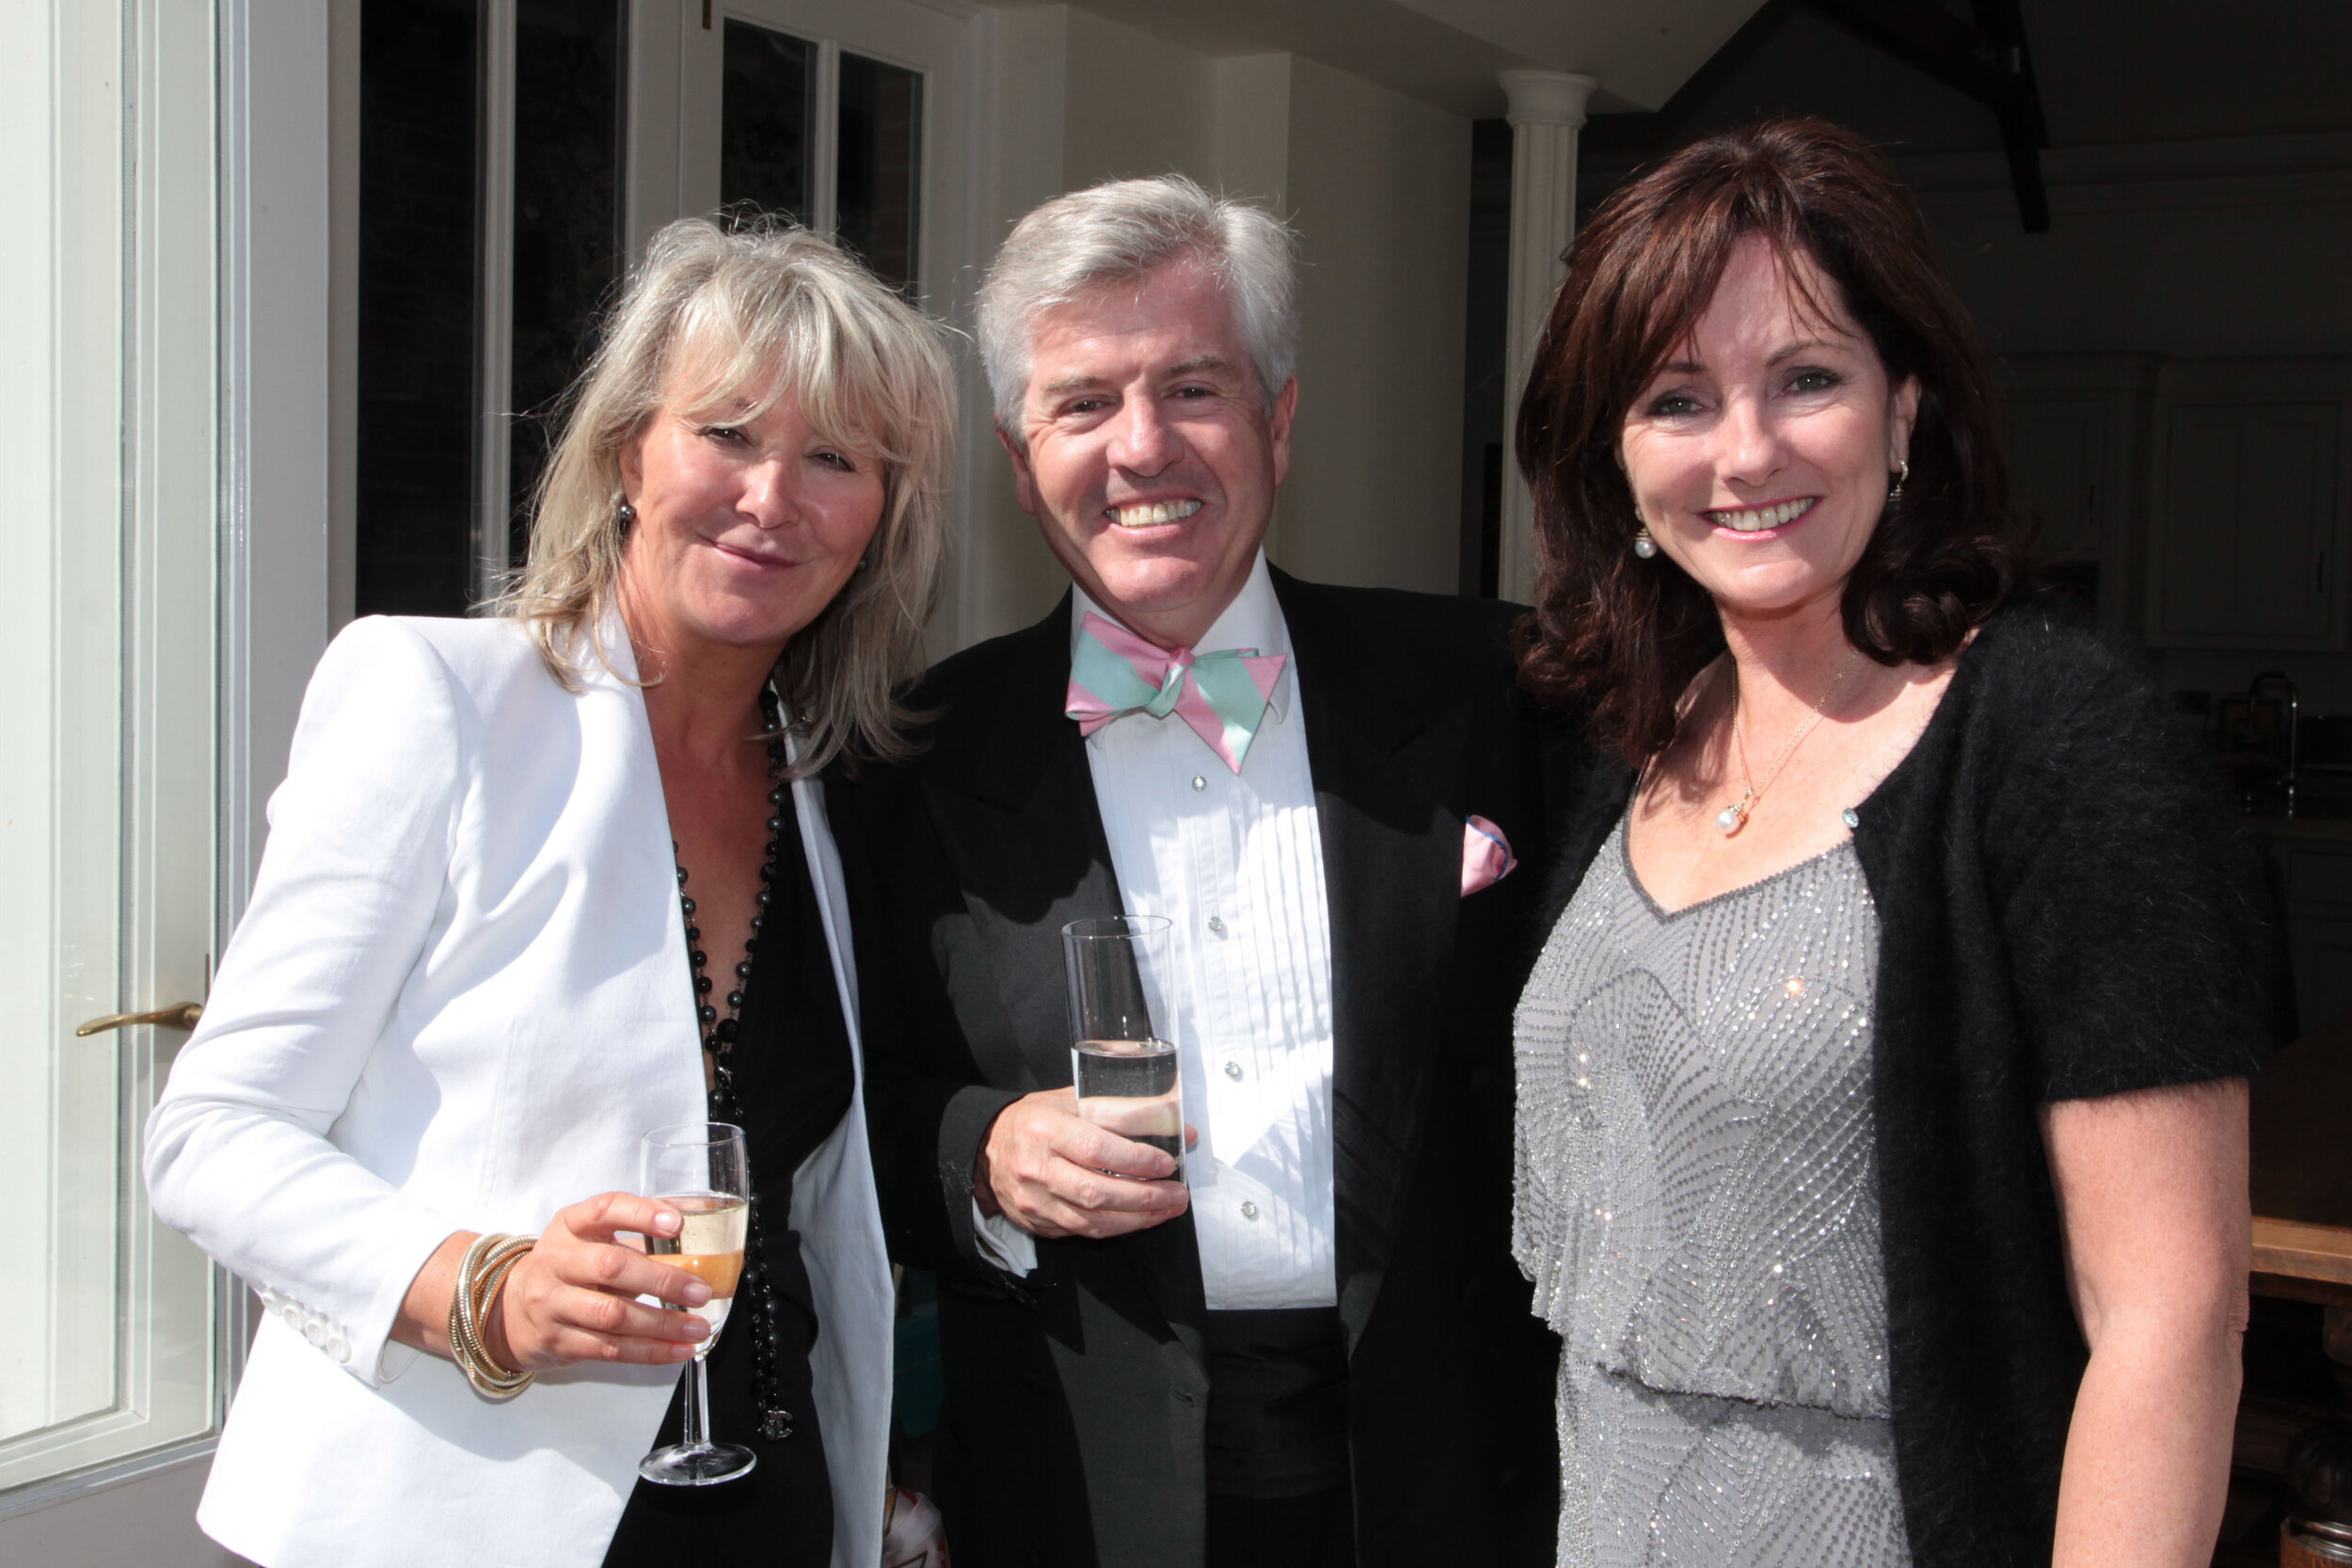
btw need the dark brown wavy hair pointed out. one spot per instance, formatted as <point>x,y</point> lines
<point>1623,636</point>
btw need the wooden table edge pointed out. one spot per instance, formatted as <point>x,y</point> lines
<point>2309,1261</point>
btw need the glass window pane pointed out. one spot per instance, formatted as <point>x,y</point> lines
<point>417,260</point>
<point>567,215</point>
<point>881,142</point>
<point>767,98</point>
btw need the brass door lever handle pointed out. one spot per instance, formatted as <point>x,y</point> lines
<point>180,1015</point>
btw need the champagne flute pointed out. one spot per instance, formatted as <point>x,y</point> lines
<point>699,1168</point>
<point>1125,1067</point>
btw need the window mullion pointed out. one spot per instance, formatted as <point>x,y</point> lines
<point>494,301</point>
<point>825,141</point>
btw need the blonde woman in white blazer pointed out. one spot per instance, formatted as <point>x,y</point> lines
<point>464,989</point>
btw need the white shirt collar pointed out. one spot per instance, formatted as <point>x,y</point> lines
<point>1254,619</point>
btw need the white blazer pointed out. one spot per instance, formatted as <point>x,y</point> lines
<point>457,999</point>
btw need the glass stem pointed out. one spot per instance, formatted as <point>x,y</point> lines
<point>697,1413</point>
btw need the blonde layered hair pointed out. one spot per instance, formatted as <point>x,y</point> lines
<point>736,318</point>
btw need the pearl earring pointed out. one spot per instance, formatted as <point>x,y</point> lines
<point>1644,546</point>
<point>627,515</point>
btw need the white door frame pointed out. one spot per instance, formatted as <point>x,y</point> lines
<point>224,461</point>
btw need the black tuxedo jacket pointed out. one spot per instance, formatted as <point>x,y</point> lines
<point>1076,1397</point>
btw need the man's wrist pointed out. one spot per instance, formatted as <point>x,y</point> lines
<point>983,1190</point>
<point>983,1169</point>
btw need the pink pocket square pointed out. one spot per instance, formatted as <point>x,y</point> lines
<point>1486,857</point>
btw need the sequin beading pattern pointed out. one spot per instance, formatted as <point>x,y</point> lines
<point>1696,1206</point>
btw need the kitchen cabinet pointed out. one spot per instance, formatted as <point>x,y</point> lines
<point>2248,508</point>
<point>2317,872</point>
<point>2322,951</point>
<point>2058,458</point>
<point>2073,427</point>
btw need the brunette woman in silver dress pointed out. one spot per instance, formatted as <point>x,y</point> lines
<point>1881,1145</point>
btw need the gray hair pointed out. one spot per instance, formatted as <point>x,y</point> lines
<point>745,316</point>
<point>1123,231</point>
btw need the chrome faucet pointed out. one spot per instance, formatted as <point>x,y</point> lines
<point>2294,736</point>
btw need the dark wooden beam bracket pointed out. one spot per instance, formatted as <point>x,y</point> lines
<point>1989,62</point>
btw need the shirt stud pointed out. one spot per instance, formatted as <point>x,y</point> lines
<point>1233,1070</point>
<point>1249,1211</point>
<point>1198,783</point>
<point>1216,926</point>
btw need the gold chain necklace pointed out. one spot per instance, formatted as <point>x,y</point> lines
<point>1735,817</point>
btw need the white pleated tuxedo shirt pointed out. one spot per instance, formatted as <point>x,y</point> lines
<point>1236,862</point>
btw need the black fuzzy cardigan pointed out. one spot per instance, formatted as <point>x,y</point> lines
<point>2067,908</point>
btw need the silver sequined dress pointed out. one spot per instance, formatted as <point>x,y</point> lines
<point>1697,1208</point>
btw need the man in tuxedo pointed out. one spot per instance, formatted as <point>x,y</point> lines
<point>1313,1348</point>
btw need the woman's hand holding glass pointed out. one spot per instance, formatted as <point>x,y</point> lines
<point>574,1297</point>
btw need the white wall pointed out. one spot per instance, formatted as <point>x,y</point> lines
<point>1378,185</point>
<point>1135,105</point>
<point>1379,188</point>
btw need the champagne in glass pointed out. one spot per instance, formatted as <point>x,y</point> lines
<point>1125,1068</point>
<point>699,1168</point>
<point>710,1245</point>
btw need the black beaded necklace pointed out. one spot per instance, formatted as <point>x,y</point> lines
<point>718,1034</point>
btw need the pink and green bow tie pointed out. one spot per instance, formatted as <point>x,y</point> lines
<point>1222,695</point>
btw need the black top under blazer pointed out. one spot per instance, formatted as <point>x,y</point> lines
<point>1075,1399</point>
<point>2067,908</point>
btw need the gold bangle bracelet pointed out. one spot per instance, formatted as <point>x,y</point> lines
<point>482,1288</point>
<point>484,1269</point>
<point>486,1376</point>
<point>480,1277</point>
<point>487,1282</point>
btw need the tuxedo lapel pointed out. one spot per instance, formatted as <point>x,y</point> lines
<point>1013,802</point>
<point>1014,806</point>
<point>1386,747</point>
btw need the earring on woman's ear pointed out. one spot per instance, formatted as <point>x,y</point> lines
<point>1902,472</point>
<point>1644,546</point>
<point>627,515</point>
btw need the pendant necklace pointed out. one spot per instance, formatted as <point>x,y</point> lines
<point>1735,817</point>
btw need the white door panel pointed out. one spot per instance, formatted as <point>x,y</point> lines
<point>107,1348</point>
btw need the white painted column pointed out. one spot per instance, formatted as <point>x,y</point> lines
<point>1546,109</point>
